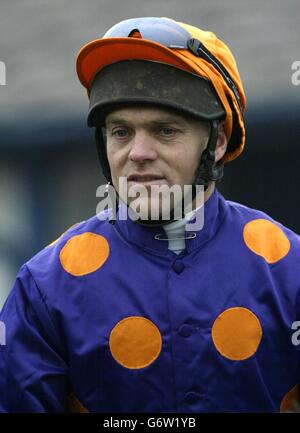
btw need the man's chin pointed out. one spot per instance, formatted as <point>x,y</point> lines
<point>153,210</point>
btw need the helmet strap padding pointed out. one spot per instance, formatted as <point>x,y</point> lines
<point>209,170</point>
<point>100,138</point>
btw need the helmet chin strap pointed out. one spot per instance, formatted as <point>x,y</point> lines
<point>208,170</point>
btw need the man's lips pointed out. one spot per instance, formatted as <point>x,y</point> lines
<point>146,179</point>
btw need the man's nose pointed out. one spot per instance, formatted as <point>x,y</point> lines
<point>142,147</point>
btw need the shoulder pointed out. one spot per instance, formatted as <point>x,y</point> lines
<point>81,239</point>
<point>50,280</point>
<point>242,214</point>
<point>261,233</point>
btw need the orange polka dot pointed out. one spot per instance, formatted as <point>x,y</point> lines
<point>236,333</point>
<point>266,239</point>
<point>84,253</point>
<point>135,342</point>
<point>291,400</point>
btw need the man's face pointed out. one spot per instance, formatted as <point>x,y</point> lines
<point>152,147</point>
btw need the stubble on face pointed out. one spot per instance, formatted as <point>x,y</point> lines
<point>172,149</point>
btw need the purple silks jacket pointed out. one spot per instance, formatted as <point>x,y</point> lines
<point>107,319</point>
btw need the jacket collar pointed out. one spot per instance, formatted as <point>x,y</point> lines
<point>146,238</point>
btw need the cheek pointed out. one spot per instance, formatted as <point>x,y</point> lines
<point>114,160</point>
<point>186,164</point>
<point>192,155</point>
<point>181,167</point>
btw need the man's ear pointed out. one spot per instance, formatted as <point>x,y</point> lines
<point>221,145</point>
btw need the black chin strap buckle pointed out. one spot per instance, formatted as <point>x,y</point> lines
<point>209,170</point>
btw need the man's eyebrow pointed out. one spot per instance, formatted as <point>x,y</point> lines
<point>115,120</point>
<point>169,120</point>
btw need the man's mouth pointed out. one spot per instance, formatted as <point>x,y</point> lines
<point>146,179</point>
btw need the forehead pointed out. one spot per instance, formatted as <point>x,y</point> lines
<point>146,115</point>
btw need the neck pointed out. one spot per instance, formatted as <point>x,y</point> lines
<point>207,194</point>
<point>210,189</point>
<point>175,230</point>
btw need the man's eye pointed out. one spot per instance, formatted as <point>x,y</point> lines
<point>120,133</point>
<point>167,132</point>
